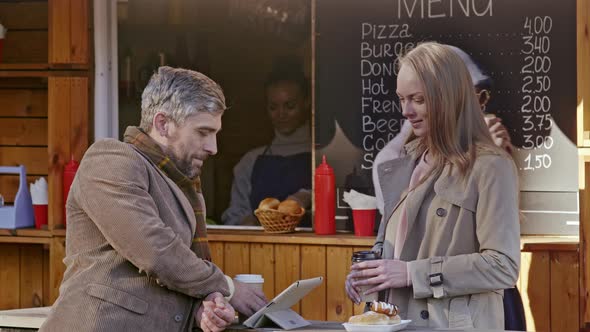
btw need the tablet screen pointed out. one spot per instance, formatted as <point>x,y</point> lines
<point>286,298</point>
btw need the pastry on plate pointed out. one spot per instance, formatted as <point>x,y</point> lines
<point>381,313</point>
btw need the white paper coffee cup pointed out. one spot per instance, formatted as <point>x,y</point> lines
<point>255,280</point>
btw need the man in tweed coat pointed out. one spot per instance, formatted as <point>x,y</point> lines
<point>136,246</point>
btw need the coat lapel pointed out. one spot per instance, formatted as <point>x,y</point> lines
<point>184,203</point>
<point>413,205</point>
<point>178,194</point>
<point>394,178</point>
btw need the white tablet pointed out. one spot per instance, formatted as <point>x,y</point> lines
<point>278,310</point>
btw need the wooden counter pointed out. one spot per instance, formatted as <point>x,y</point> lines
<point>340,239</point>
<point>549,275</point>
<point>527,242</point>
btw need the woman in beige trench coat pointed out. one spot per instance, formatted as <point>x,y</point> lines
<point>451,240</point>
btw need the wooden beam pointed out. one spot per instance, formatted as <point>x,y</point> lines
<point>79,117</point>
<point>292,238</point>
<point>59,31</point>
<point>79,31</point>
<point>262,261</point>
<point>9,276</point>
<point>583,69</point>
<point>59,112</point>
<point>31,276</point>
<point>313,264</point>
<point>57,252</point>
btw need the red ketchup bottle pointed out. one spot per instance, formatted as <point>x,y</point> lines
<point>325,199</point>
<point>68,177</point>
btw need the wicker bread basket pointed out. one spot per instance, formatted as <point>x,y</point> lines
<point>275,221</point>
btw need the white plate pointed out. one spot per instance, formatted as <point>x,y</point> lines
<point>376,328</point>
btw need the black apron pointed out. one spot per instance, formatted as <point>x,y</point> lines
<point>279,176</point>
<point>513,310</point>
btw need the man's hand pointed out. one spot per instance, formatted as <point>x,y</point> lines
<point>215,313</point>
<point>247,299</point>
<point>498,132</point>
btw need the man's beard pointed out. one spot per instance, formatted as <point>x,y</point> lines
<point>183,165</point>
<point>186,168</point>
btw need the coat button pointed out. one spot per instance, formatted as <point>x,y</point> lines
<point>178,318</point>
<point>424,314</point>
<point>441,212</point>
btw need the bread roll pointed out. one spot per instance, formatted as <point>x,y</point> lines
<point>289,206</point>
<point>374,318</point>
<point>269,203</point>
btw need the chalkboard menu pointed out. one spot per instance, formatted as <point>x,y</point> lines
<point>527,47</point>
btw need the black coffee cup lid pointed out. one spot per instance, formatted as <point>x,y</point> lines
<point>365,255</point>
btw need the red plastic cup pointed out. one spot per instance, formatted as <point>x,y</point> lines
<point>40,215</point>
<point>364,222</point>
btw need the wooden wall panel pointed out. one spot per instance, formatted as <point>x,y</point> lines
<point>23,131</point>
<point>338,263</point>
<point>23,83</point>
<point>59,31</point>
<point>287,268</point>
<point>9,186</point>
<point>262,261</point>
<point>24,15</point>
<point>313,264</point>
<point>9,276</point>
<point>23,102</point>
<point>584,256</point>
<point>57,268</point>
<point>46,276</point>
<point>79,31</point>
<point>583,127</point>
<point>564,291</point>
<point>534,288</point>
<point>358,309</point>
<point>79,117</point>
<point>34,158</point>
<point>29,46</point>
<point>68,32</point>
<point>236,258</point>
<point>217,254</point>
<point>31,276</point>
<point>583,69</point>
<point>59,144</point>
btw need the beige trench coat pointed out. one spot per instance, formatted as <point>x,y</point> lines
<point>471,237</point>
<point>128,257</point>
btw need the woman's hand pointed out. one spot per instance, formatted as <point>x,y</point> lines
<point>378,275</point>
<point>215,313</point>
<point>352,292</point>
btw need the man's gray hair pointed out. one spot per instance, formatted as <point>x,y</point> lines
<point>179,93</point>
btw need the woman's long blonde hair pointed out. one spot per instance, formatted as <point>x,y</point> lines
<point>455,121</point>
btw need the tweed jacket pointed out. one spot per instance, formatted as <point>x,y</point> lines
<point>128,257</point>
<point>467,249</point>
